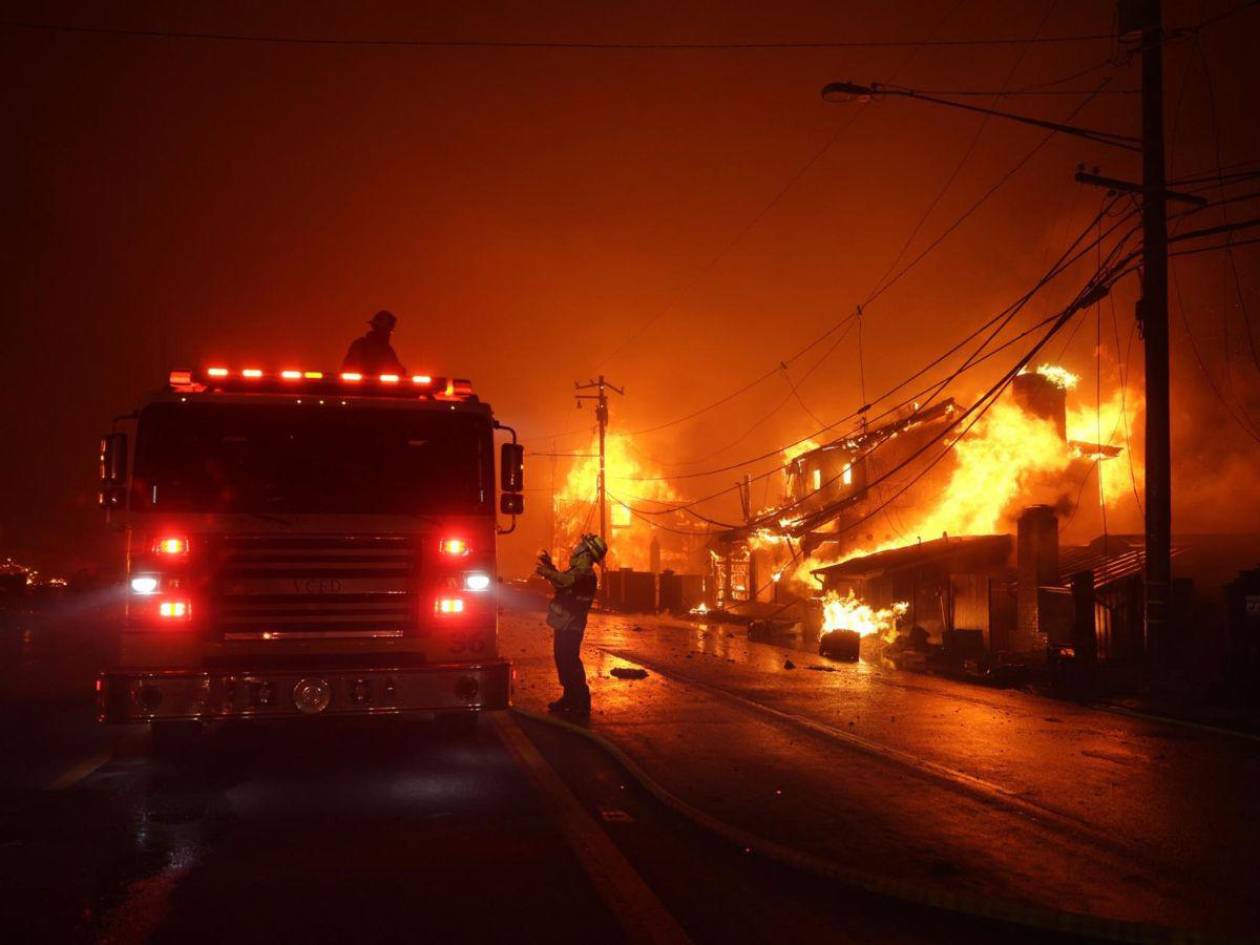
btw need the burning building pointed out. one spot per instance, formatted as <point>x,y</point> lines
<point>935,527</point>
<point>651,558</point>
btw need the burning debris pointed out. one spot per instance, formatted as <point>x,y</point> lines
<point>625,672</point>
<point>850,613</point>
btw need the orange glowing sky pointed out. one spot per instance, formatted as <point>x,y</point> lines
<point>526,211</point>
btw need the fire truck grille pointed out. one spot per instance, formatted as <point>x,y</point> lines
<point>316,587</point>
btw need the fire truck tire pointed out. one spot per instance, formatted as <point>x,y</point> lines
<point>175,737</point>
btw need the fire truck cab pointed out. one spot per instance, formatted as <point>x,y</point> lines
<point>301,543</point>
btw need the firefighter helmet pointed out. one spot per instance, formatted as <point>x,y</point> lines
<point>384,319</point>
<point>595,545</point>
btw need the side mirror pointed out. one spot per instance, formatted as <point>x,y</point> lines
<point>511,467</point>
<point>112,471</point>
<point>511,503</point>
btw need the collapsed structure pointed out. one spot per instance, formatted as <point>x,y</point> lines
<point>982,538</point>
<point>956,536</point>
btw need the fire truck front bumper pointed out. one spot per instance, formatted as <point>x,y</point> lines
<point>143,695</point>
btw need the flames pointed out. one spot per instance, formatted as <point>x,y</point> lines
<point>998,463</point>
<point>1060,376</point>
<point>576,506</point>
<point>1012,458</point>
<point>850,613</point>
<point>799,449</point>
<point>1110,423</point>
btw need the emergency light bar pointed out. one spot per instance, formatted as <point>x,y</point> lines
<point>227,380</point>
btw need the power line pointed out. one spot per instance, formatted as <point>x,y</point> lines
<point>406,43</point>
<point>1064,262</point>
<point>1019,165</point>
<point>879,290</point>
<point>976,206</point>
<point>982,405</point>
<point>765,210</point>
<point>1233,264</point>
<point>988,399</point>
<point>962,161</point>
<point>1244,422</point>
<point>1099,283</point>
<point>370,42</point>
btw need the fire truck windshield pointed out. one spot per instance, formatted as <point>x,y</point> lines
<point>289,458</point>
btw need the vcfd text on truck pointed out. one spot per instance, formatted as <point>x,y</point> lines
<point>301,543</point>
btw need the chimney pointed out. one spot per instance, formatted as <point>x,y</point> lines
<point>1037,563</point>
<point>1040,396</point>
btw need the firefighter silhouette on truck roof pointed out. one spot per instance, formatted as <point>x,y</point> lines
<point>373,354</point>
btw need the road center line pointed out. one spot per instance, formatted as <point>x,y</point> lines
<point>641,915</point>
<point>82,769</point>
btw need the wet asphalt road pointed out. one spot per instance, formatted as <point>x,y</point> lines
<point>387,831</point>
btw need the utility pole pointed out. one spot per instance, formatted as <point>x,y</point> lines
<point>601,414</point>
<point>1153,322</point>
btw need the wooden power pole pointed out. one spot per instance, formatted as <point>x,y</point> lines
<point>602,386</point>
<point>1153,321</point>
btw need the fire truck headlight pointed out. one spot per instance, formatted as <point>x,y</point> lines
<point>476,581</point>
<point>145,584</point>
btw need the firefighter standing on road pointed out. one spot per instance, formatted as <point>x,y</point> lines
<point>373,354</point>
<point>575,591</point>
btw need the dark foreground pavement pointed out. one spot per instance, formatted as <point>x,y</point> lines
<point>392,830</point>
<point>388,831</point>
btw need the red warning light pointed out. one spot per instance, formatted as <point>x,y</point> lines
<point>174,610</point>
<point>455,547</point>
<point>172,545</point>
<point>449,605</point>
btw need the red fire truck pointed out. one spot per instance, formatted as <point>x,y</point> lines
<point>302,543</point>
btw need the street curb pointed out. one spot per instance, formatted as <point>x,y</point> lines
<point>1072,923</point>
<point>1173,720</point>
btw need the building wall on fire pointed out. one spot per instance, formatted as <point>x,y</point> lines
<point>825,475</point>
<point>949,584</point>
<point>732,573</point>
<point>880,475</point>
